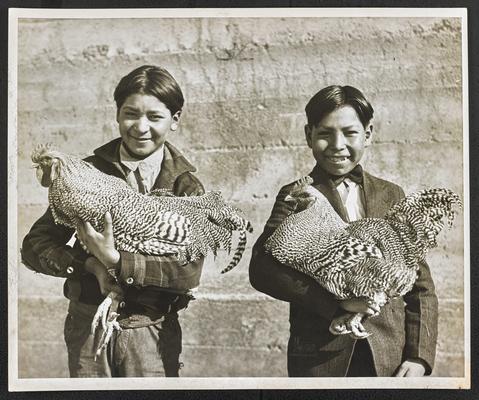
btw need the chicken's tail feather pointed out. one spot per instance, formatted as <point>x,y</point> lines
<point>238,252</point>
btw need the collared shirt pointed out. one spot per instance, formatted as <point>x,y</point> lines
<point>148,169</point>
<point>352,197</point>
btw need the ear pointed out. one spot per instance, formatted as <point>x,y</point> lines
<point>369,133</point>
<point>308,132</point>
<point>118,115</point>
<point>176,120</point>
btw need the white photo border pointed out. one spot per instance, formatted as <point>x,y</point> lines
<point>211,383</point>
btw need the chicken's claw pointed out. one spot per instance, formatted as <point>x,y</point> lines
<point>112,325</point>
<point>107,314</point>
<point>349,324</point>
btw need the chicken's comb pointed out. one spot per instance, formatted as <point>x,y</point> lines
<point>43,151</point>
<point>40,151</point>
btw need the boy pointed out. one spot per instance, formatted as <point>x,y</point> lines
<point>149,103</point>
<point>403,340</point>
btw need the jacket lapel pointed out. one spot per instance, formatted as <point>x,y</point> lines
<point>110,152</point>
<point>376,196</point>
<point>174,164</point>
<point>323,183</point>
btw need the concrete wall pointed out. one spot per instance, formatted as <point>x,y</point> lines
<point>246,82</point>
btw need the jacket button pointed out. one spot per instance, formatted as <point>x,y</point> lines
<point>129,280</point>
<point>70,270</point>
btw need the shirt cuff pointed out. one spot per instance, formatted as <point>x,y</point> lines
<point>132,268</point>
<point>68,263</point>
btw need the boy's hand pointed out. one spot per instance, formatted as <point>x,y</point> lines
<point>411,368</point>
<point>106,282</point>
<point>358,306</point>
<point>100,244</point>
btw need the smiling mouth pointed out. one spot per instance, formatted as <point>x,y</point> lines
<point>140,139</point>
<point>337,159</point>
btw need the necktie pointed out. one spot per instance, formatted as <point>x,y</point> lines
<point>140,181</point>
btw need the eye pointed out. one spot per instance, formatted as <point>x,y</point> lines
<point>351,133</point>
<point>155,117</point>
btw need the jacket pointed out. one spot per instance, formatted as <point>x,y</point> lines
<point>406,327</point>
<point>151,281</point>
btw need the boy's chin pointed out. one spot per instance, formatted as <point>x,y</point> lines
<point>141,152</point>
<point>337,170</point>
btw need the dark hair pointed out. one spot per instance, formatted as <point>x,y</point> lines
<point>332,97</point>
<point>151,80</point>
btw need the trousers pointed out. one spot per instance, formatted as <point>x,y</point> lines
<point>150,351</point>
<point>308,358</point>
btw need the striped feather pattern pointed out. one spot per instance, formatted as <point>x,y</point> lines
<point>155,224</point>
<point>81,192</point>
<point>213,222</point>
<point>373,258</point>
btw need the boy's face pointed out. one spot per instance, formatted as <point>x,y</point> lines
<point>144,122</point>
<point>338,140</point>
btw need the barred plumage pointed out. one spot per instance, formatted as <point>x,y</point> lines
<point>155,224</point>
<point>213,221</point>
<point>371,258</point>
<point>158,223</point>
<point>78,191</point>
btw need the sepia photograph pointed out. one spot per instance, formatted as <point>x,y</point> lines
<point>267,198</point>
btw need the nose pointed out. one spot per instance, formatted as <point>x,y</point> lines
<point>142,125</point>
<point>337,141</point>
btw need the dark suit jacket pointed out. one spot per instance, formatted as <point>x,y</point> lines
<point>405,329</point>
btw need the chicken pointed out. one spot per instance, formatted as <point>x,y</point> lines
<point>157,223</point>
<point>372,258</point>
<point>77,192</point>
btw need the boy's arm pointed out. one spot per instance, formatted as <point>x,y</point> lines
<point>143,270</point>
<point>45,250</point>
<point>165,271</point>
<point>421,312</point>
<point>269,276</point>
<point>421,320</point>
